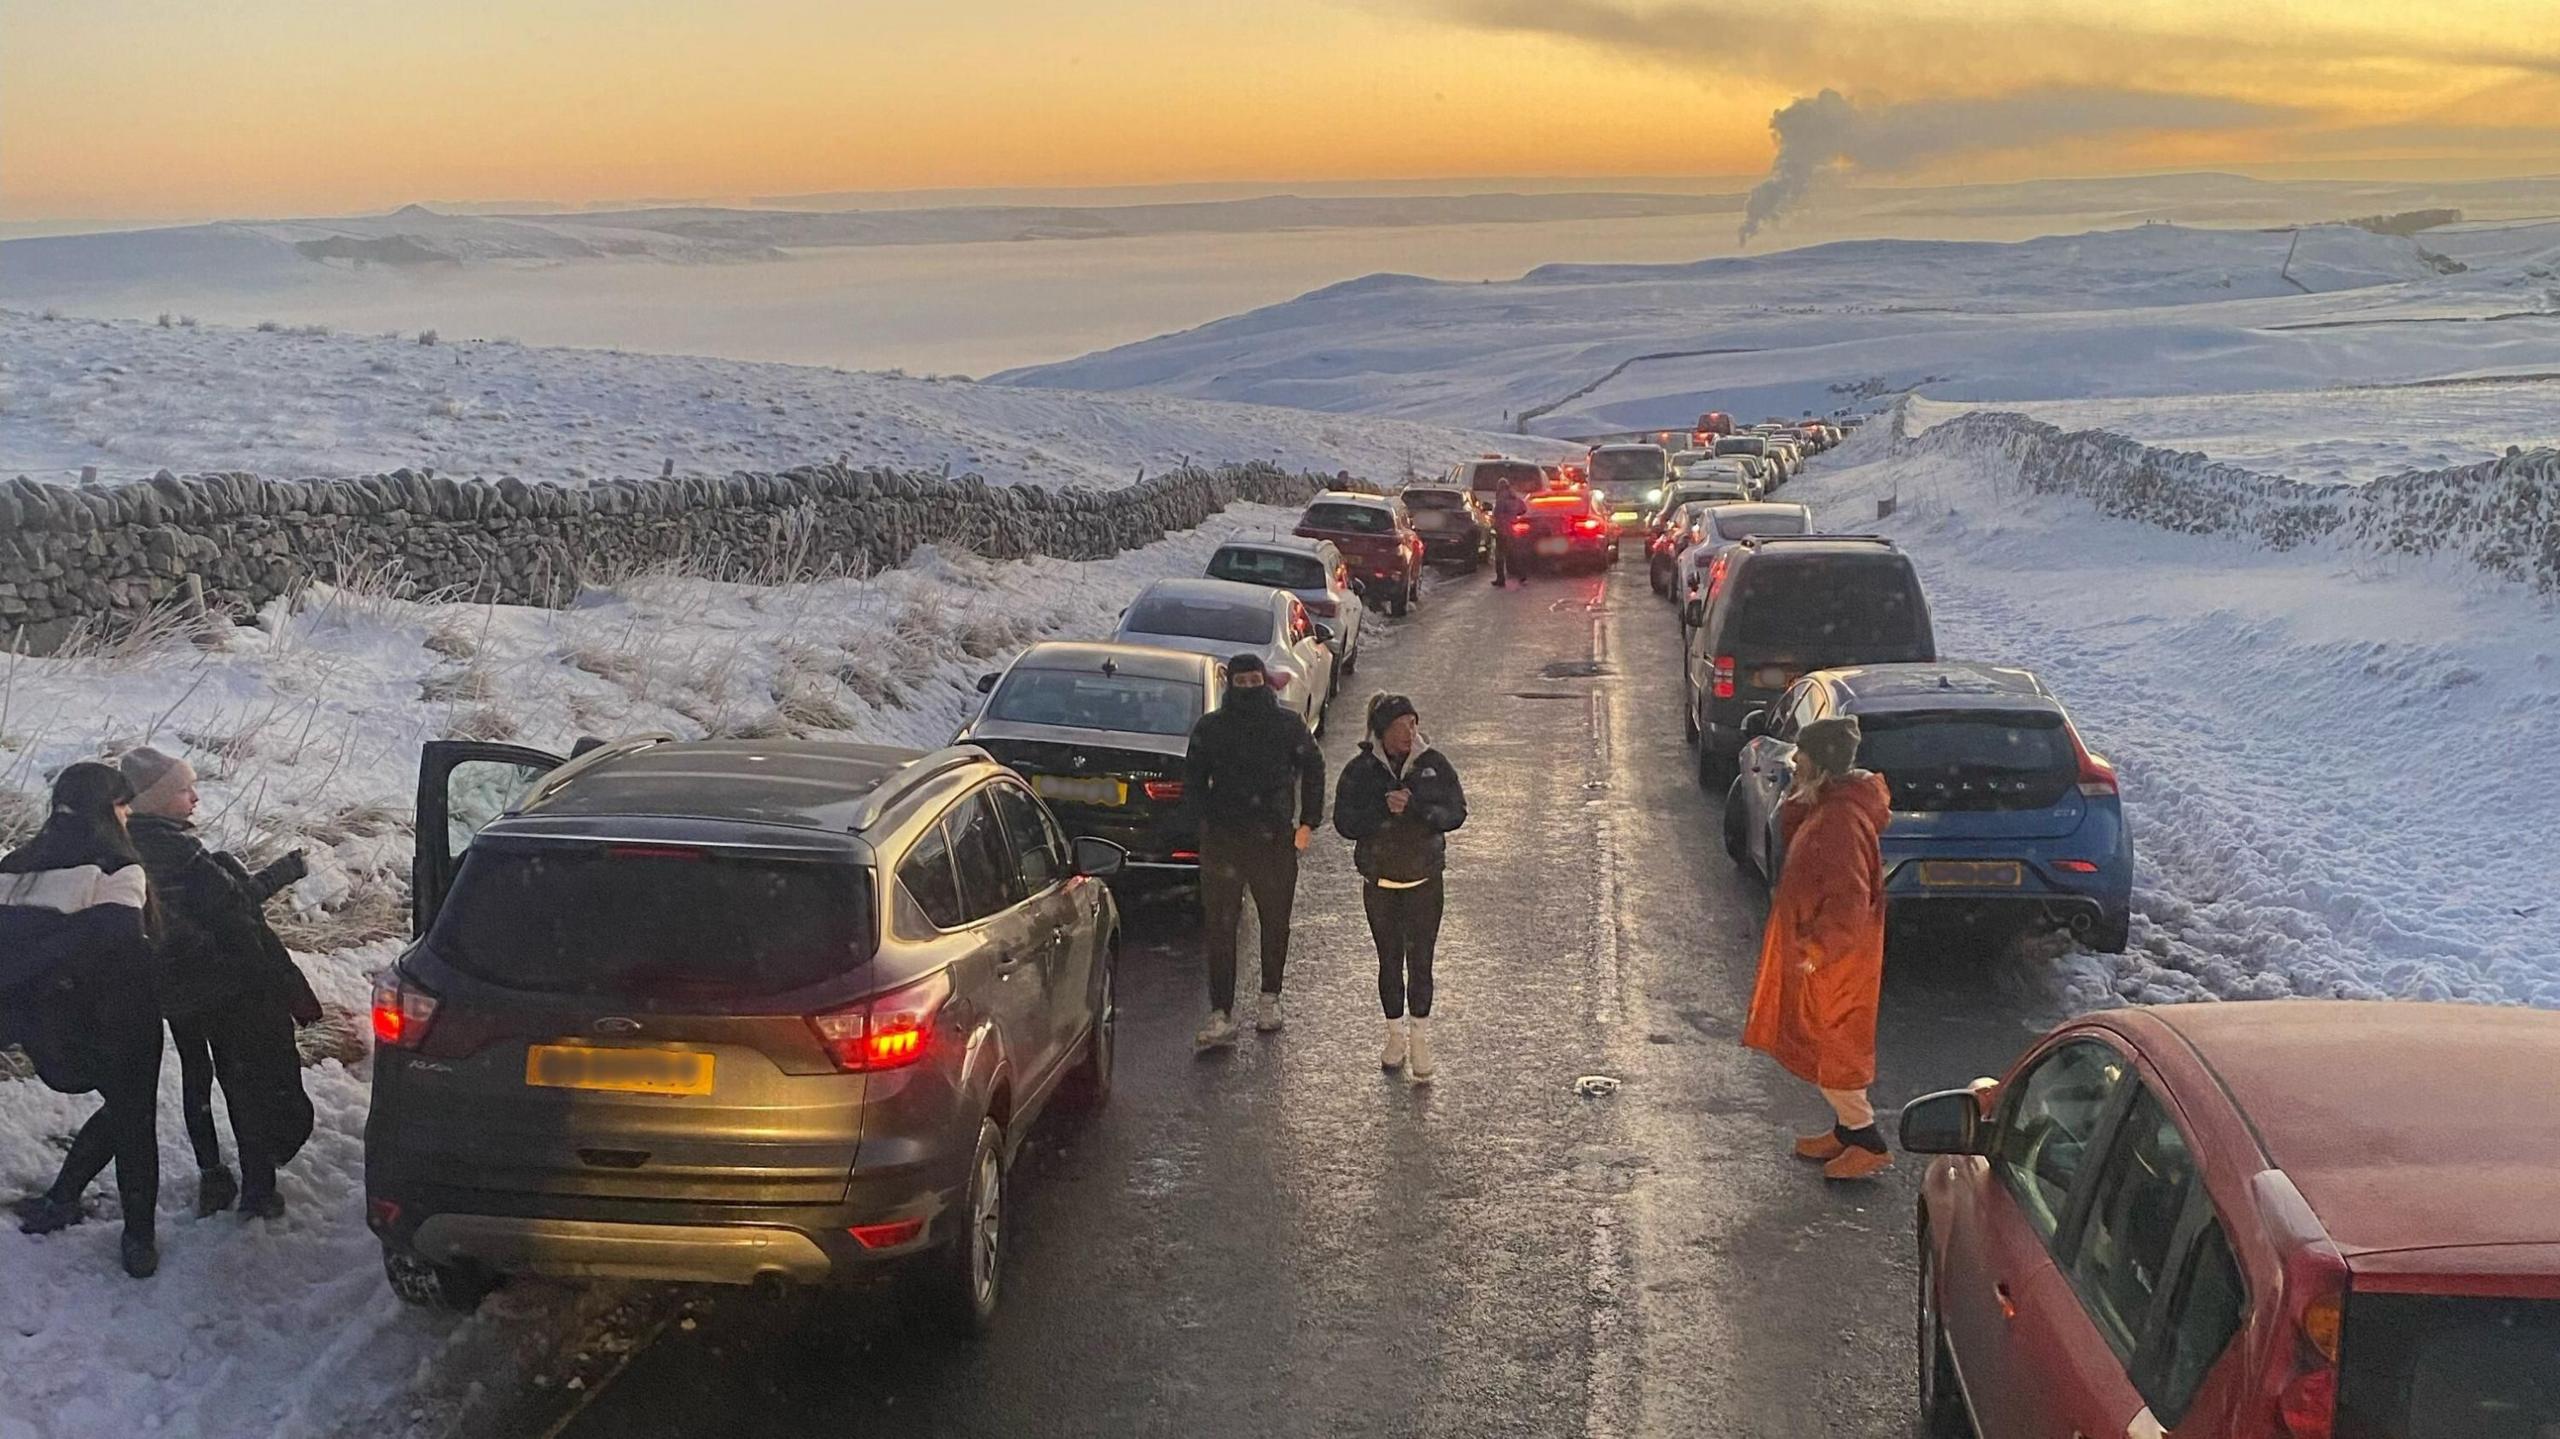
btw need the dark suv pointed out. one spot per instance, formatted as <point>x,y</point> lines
<point>728,1012</point>
<point>1781,607</point>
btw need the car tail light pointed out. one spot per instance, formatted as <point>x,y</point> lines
<point>891,1031</point>
<point>1164,791</point>
<point>2097,777</point>
<point>1588,524</point>
<point>401,1011</point>
<point>1724,677</point>
<point>2302,1379</point>
<point>886,1236</point>
<point>1519,527</point>
<point>2076,866</point>
<point>381,1214</point>
<point>1189,855</point>
<point>1323,609</point>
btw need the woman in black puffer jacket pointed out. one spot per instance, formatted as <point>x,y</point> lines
<point>1397,800</point>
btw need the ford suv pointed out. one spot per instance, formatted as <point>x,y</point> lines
<point>730,1012</point>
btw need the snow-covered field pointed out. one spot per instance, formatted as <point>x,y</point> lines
<point>307,731</point>
<point>132,398</point>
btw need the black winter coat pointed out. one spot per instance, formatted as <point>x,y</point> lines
<point>215,945</point>
<point>1400,847</point>
<point>1252,771</point>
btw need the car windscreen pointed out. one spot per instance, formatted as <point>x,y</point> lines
<point>1268,567</point>
<point>1353,519</point>
<point>652,925</point>
<point>1743,527</point>
<point>1495,476</point>
<point>1742,445</point>
<point>1827,609</point>
<point>2426,1366</point>
<point>1970,759</point>
<point>1628,467</point>
<point>1199,619</point>
<point>1132,704</point>
<point>1434,500</point>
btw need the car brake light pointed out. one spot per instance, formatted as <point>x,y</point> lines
<point>381,1214</point>
<point>2097,777</point>
<point>651,851</point>
<point>401,1011</point>
<point>1724,677</point>
<point>2076,866</point>
<point>1164,791</point>
<point>2305,1373</point>
<point>886,1236</point>
<point>1588,524</point>
<point>1186,854</point>
<point>889,1032</point>
<point>1519,527</point>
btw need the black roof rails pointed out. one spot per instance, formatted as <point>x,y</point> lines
<point>1849,539</point>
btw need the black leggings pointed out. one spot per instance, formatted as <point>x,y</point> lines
<point>248,1044</point>
<point>1406,925</point>
<point>125,1128</point>
<point>1230,866</point>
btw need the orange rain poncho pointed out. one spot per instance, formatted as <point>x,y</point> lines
<point>1828,909</point>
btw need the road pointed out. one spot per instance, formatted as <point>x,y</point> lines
<point>1283,1242</point>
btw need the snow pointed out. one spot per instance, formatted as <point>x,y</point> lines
<point>306,730</point>
<point>133,398</point>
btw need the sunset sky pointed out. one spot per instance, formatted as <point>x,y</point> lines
<point>144,109</point>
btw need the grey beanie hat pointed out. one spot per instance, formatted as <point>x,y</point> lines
<point>155,777</point>
<point>1831,743</point>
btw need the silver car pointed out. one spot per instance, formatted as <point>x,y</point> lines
<point>1314,571</point>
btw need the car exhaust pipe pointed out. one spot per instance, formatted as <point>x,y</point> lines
<point>770,1286</point>
<point>2082,922</point>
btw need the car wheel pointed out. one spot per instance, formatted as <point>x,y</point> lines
<point>455,1287</point>
<point>1942,1408</point>
<point>1089,1087</point>
<point>1661,585</point>
<point>1400,601</point>
<point>962,1281</point>
<point>1688,716</point>
<point>1351,662</point>
<point>2112,934</point>
<point>1736,846</point>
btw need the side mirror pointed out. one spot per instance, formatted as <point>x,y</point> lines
<point>987,682</point>
<point>1755,725</point>
<point>1324,632</point>
<point>1099,858</point>
<point>1947,1122</point>
<point>1693,613</point>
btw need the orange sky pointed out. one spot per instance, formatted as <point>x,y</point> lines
<point>136,108</point>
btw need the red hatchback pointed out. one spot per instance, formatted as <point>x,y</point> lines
<point>1376,537</point>
<point>2290,1219</point>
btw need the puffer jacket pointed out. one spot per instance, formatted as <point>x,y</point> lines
<point>216,947</point>
<point>1400,848</point>
<point>1251,769</point>
<point>74,952</point>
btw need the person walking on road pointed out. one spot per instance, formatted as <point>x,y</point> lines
<point>1396,802</point>
<point>76,990</point>
<point>1822,959</point>
<point>1256,781</point>
<point>1509,558</point>
<point>232,994</point>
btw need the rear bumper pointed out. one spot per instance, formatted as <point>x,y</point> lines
<point>1452,548</point>
<point>2065,900</point>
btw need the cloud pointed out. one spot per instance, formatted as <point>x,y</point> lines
<point>1829,133</point>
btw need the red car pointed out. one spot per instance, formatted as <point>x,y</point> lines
<point>2284,1219</point>
<point>1376,537</point>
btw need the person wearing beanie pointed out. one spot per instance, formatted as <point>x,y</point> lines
<point>1822,957</point>
<point>1254,779</point>
<point>231,992</point>
<point>1397,801</point>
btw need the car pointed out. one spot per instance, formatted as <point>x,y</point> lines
<point>1487,476</point>
<point>1715,422</point>
<point>1221,618</point>
<point>1100,732</point>
<point>1715,530</point>
<point>1754,446</point>
<point>1456,527</point>
<point>1670,535</point>
<point>2271,1219</point>
<point>1314,571</point>
<point>1999,808</point>
<point>1564,529</point>
<point>1785,606</point>
<point>773,1012</point>
<point>1376,536</point>
<point>1621,477</point>
<point>1787,454</point>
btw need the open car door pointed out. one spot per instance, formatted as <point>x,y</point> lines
<point>462,786</point>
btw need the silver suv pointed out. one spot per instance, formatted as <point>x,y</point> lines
<point>729,1012</point>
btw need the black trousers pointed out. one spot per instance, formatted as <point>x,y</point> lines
<point>1230,867</point>
<point>1510,559</point>
<point>1405,923</point>
<point>247,1044</point>
<point>125,1128</point>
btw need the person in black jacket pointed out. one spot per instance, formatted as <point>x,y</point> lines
<point>76,990</point>
<point>1397,801</point>
<point>231,992</point>
<point>1510,556</point>
<point>1255,779</point>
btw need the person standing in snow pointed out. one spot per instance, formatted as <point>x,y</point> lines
<point>231,992</point>
<point>1510,560</point>
<point>1822,958</point>
<point>1255,778</point>
<point>1397,801</point>
<point>76,989</point>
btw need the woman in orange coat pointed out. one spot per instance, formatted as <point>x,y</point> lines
<point>1822,960</point>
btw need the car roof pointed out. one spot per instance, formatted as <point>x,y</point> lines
<point>1626,445</point>
<point>2405,1124</point>
<point>1760,508</point>
<point>804,783</point>
<point>1433,490</point>
<point>1818,547</point>
<point>1089,656</point>
<point>1939,685</point>
<point>1305,547</point>
<point>1349,497</point>
<point>1234,592</point>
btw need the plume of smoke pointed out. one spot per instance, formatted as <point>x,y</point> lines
<point>1814,134</point>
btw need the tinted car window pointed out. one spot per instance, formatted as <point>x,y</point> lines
<point>2211,1299</point>
<point>1354,519</point>
<point>1200,619</point>
<point>2122,1259</point>
<point>1038,856</point>
<point>1434,500</point>
<point>989,883</point>
<point>1742,445</point>
<point>1970,760</point>
<point>1817,606</point>
<point>651,922</point>
<point>1629,467</point>
<point>930,880</point>
<point>1267,567</point>
<point>2047,1123</point>
<point>1743,527</point>
<point>1495,476</point>
<point>1131,704</point>
<point>2426,1366</point>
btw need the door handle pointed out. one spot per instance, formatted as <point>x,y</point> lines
<point>2007,1301</point>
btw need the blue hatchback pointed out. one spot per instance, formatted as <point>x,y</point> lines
<point>1997,805</point>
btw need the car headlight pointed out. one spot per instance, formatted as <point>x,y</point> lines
<point>1653,497</point>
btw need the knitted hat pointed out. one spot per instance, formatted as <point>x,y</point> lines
<point>157,778</point>
<point>1831,744</point>
<point>1385,710</point>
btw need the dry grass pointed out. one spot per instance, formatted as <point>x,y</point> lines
<point>229,748</point>
<point>468,685</point>
<point>119,641</point>
<point>809,701</point>
<point>483,722</point>
<point>342,1035</point>
<point>21,815</point>
<point>376,909</point>
<point>455,637</point>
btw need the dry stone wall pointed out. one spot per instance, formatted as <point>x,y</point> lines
<point>74,553</point>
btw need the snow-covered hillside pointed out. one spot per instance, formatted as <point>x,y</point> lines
<point>2158,309</point>
<point>133,398</point>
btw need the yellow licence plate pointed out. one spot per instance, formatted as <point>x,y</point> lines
<point>1971,873</point>
<point>627,1071</point>
<point>1071,790</point>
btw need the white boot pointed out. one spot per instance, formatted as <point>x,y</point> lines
<point>1218,1033</point>
<point>1417,1061</point>
<point>1392,1057</point>
<point>1266,1016</point>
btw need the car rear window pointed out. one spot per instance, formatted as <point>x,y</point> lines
<point>1965,760</point>
<point>1434,500</point>
<point>1352,519</point>
<point>1131,704</point>
<point>1629,467</point>
<point>2421,1366</point>
<point>1743,527</point>
<point>1742,445</point>
<point>1268,567</point>
<point>1833,609</point>
<point>1199,620</point>
<point>1495,476</point>
<point>651,924</point>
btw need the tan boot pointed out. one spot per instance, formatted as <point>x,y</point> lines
<point>1820,1148</point>
<point>1857,1163</point>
